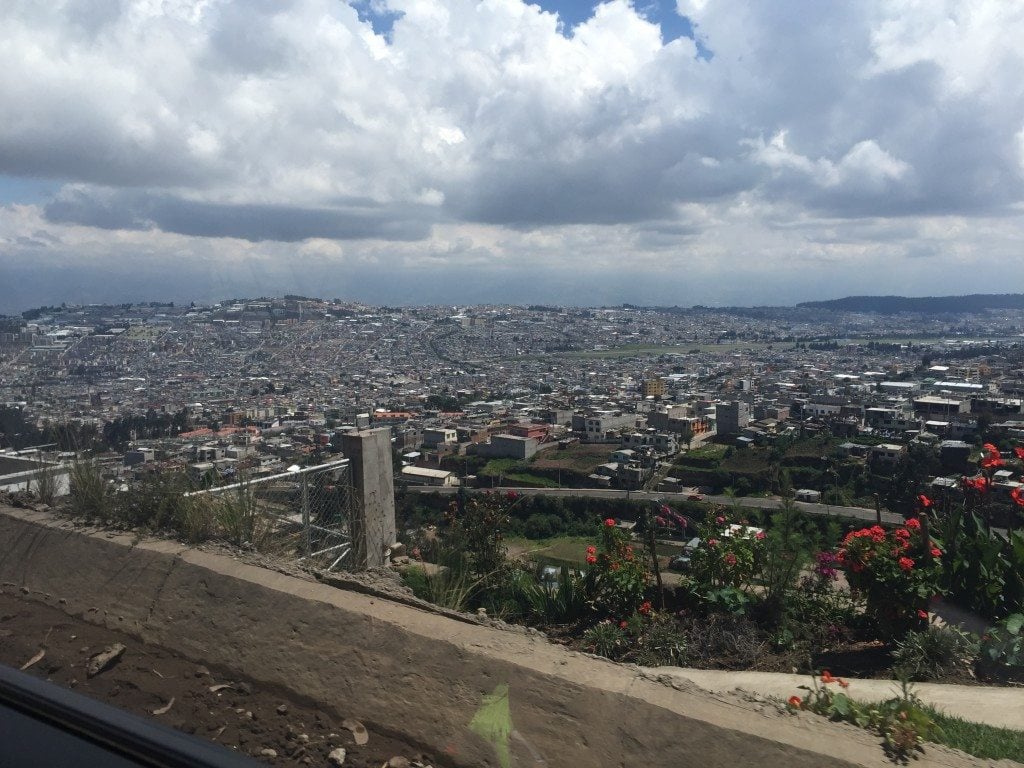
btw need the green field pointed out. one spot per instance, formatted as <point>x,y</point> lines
<point>578,457</point>
<point>571,550</point>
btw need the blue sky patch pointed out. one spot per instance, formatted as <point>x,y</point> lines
<point>660,12</point>
<point>379,16</point>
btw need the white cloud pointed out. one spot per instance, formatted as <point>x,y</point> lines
<point>208,124</point>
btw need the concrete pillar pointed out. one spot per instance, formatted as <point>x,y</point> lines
<point>373,485</point>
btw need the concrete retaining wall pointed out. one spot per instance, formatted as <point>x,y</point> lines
<point>404,670</point>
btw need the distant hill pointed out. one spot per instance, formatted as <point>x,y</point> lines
<point>890,305</point>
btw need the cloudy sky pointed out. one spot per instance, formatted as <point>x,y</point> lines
<point>464,151</point>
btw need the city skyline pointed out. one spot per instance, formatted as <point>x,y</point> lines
<point>447,151</point>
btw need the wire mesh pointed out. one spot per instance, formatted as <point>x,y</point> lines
<point>305,513</point>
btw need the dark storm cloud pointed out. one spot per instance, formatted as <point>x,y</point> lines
<point>247,221</point>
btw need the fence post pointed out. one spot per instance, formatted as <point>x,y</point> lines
<point>304,485</point>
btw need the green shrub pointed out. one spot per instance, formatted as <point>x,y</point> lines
<point>934,653</point>
<point>153,502</point>
<point>1002,647</point>
<point>561,602</point>
<point>616,576</point>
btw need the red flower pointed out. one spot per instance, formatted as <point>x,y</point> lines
<point>591,560</point>
<point>922,614</point>
<point>979,484</point>
<point>902,533</point>
<point>906,563</point>
<point>712,542</point>
<point>511,495</point>
<point>913,523</point>
<point>645,608</point>
<point>994,458</point>
<point>760,535</point>
<point>924,502</point>
<point>795,702</point>
<point>1017,494</point>
<point>826,676</point>
<point>720,520</point>
<point>936,552</point>
<point>609,522</point>
<point>730,559</point>
<point>623,624</point>
<point>591,550</point>
<point>1019,451</point>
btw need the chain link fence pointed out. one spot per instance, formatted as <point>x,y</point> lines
<point>306,512</point>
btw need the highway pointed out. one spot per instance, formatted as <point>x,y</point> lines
<point>726,501</point>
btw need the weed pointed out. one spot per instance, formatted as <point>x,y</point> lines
<point>661,643</point>
<point>91,497</point>
<point>239,520</point>
<point>45,477</point>
<point>605,639</point>
<point>446,588</point>
<point>903,722</point>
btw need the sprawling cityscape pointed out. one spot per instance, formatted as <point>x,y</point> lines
<point>259,384</point>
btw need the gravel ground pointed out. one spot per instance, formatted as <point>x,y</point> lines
<point>244,715</point>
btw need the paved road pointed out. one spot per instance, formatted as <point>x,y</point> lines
<point>744,501</point>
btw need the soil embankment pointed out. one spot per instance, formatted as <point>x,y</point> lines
<point>469,695</point>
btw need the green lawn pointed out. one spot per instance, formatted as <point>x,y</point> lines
<point>983,741</point>
<point>571,550</point>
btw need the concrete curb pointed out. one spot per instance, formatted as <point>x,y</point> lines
<point>1001,707</point>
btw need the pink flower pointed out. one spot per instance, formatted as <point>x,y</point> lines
<point>609,523</point>
<point>623,624</point>
<point>936,552</point>
<point>760,535</point>
<point>720,520</point>
<point>730,559</point>
<point>645,608</point>
<point>712,542</point>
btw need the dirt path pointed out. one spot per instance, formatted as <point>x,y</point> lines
<point>245,716</point>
